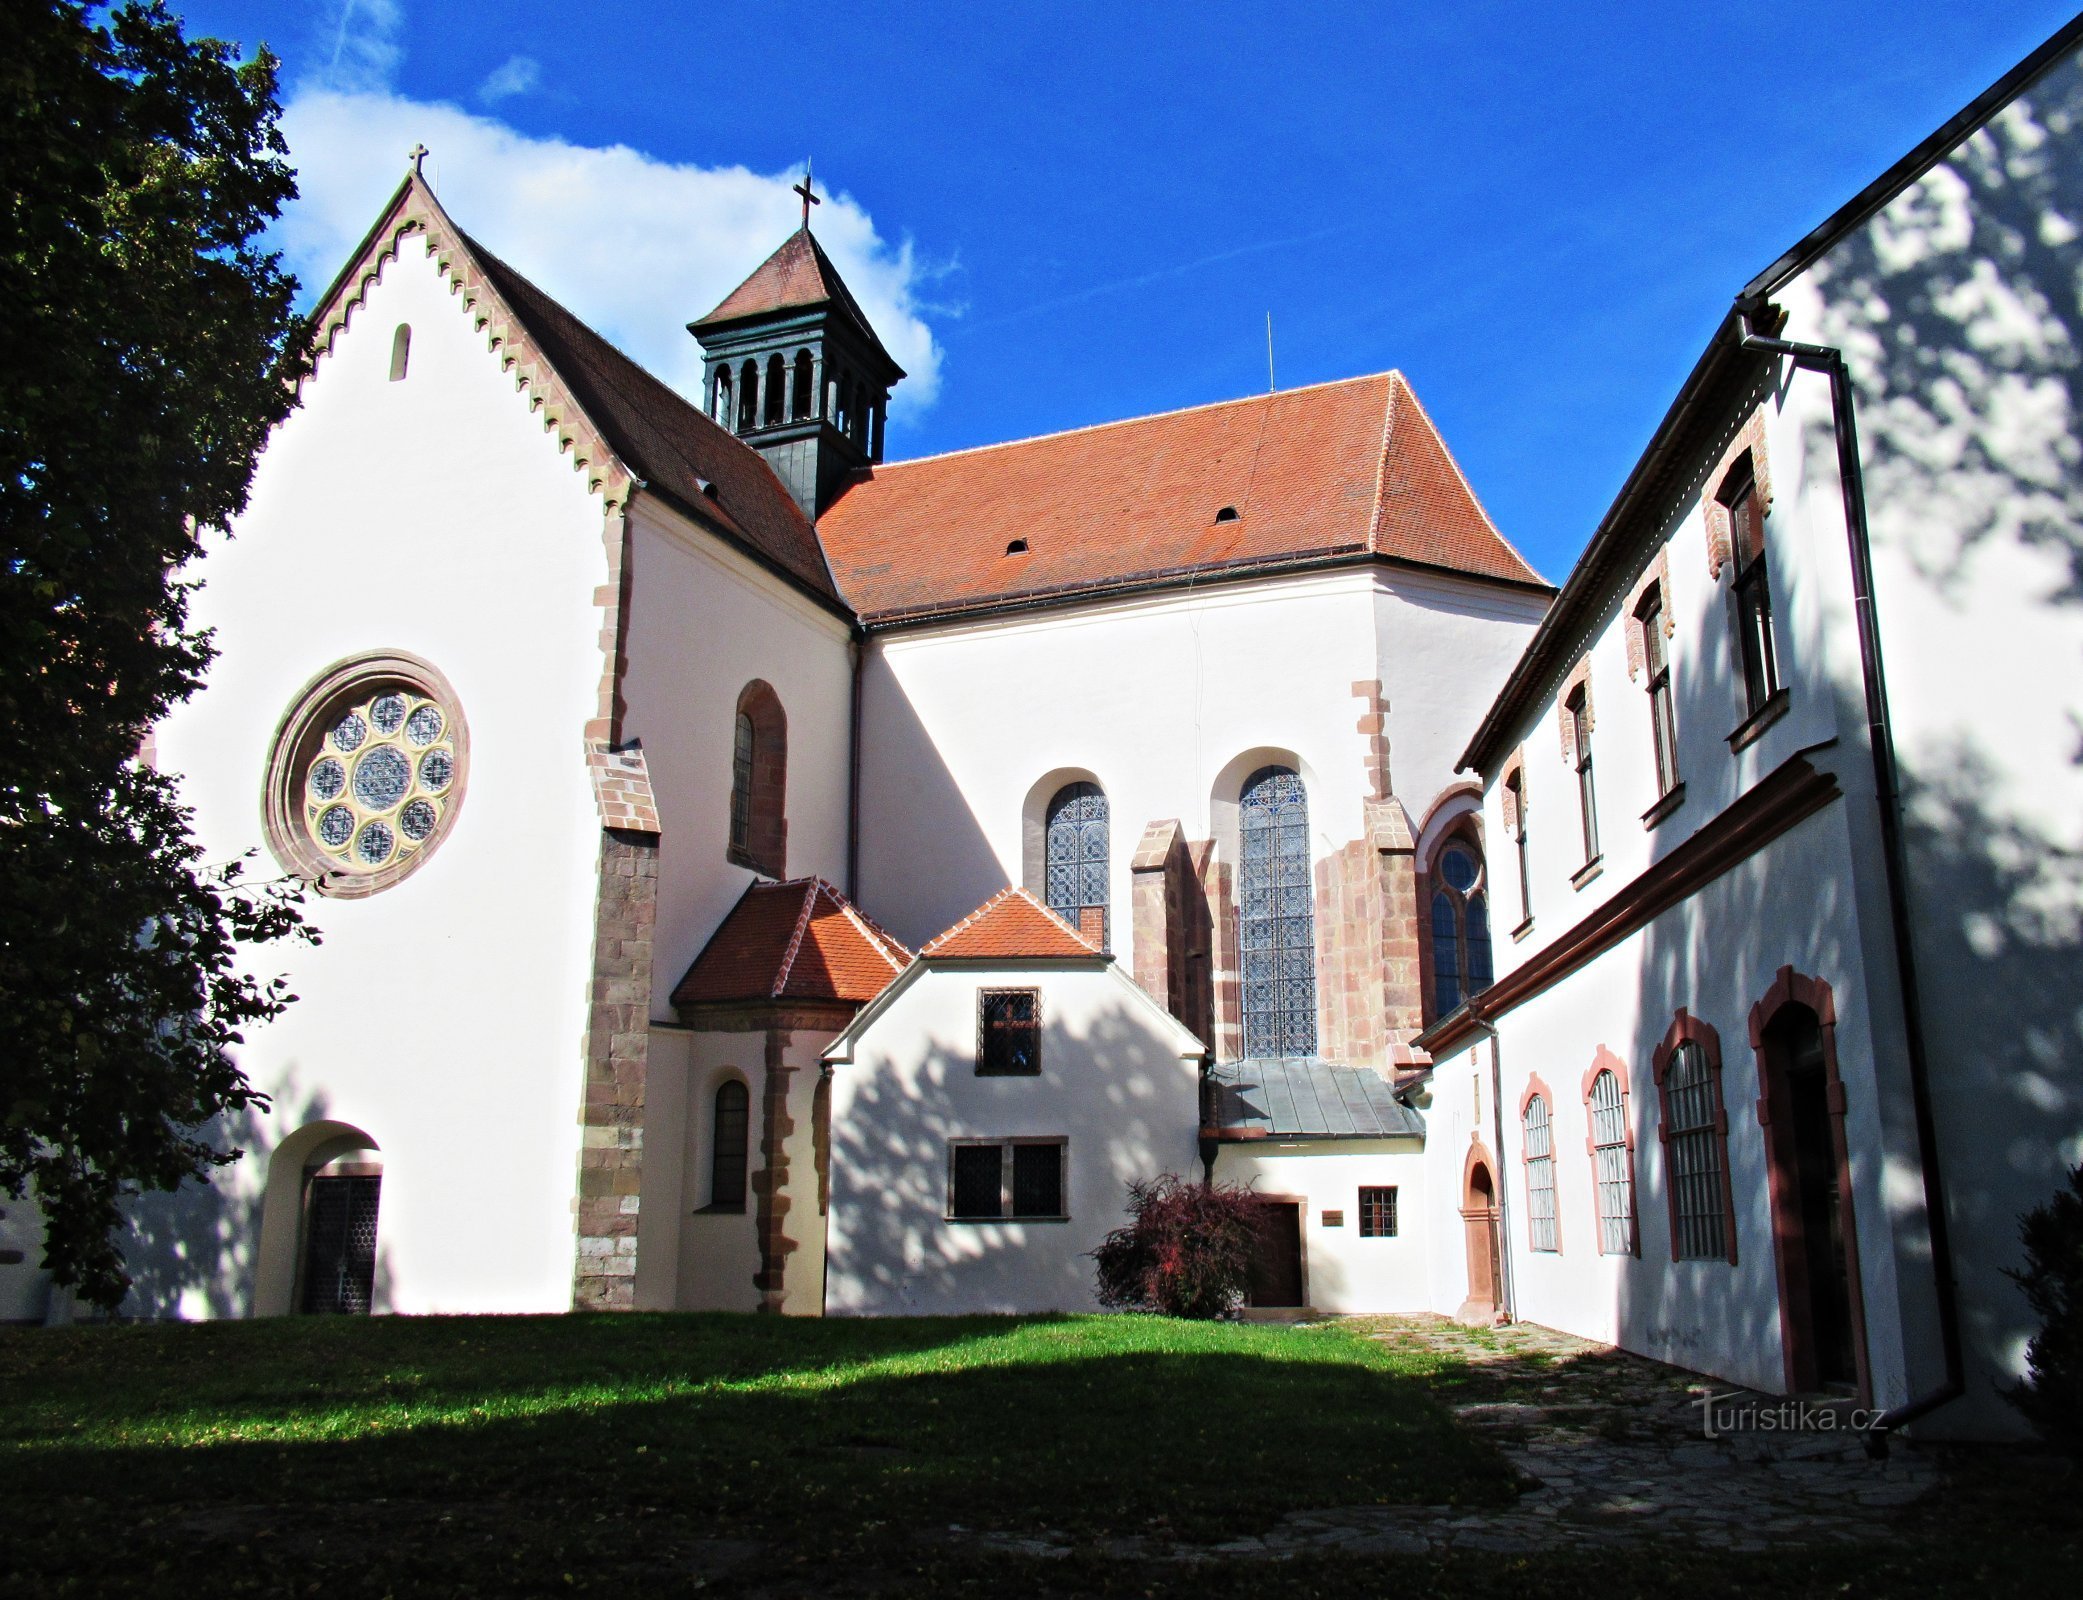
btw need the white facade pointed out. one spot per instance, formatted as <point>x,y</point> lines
<point>1345,1271</point>
<point>1118,1085</point>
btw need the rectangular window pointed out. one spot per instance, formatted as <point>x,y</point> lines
<point>1578,710</point>
<point>1515,787</point>
<point>1378,1213</point>
<point>1753,599</point>
<point>1693,1140</point>
<point>1540,1177</point>
<point>1001,1180</point>
<point>1663,722</point>
<point>1612,1167</point>
<point>1008,1032</point>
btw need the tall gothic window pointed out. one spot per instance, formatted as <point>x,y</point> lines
<point>1695,1136</point>
<point>1612,1164</point>
<point>1543,1234</point>
<point>1077,859</point>
<point>1460,926</point>
<point>743,742</point>
<point>731,1130</point>
<point>759,781</point>
<point>1277,922</point>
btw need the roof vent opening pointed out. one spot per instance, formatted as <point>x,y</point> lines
<point>707,487</point>
<point>1017,547</point>
<point>1226,514</point>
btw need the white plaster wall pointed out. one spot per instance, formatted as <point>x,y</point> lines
<point>25,1288</point>
<point>1341,1271</point>
<point>1715,954</point>
<point>1456,1103</point>
<point>1959,309</point>
<point>444,1016</point>
<point>1118,1079</point>
<point>1153,697</point>
<point>718,1250</point>
<point>704,622</point>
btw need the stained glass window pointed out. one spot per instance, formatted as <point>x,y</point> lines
<point>1276,915</point>
<point>1460,926</point>
<point>378,785</point>
<point>727,1156</point>
<point>741,781</point>
<point>1077,859</point>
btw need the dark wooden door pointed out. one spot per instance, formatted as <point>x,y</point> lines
<point>1276,1271</point>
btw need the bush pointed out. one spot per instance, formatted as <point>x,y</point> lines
<point>2052,1395</point>
<point>1188,1251</point>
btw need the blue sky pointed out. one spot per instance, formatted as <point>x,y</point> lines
<point>1065,214</point>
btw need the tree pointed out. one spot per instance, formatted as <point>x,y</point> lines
<point>2052,1394</point>
<point>1186,1251</point>
<point>149,346</point>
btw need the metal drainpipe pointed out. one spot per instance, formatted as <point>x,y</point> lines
<point>1880,737</point>
<point>1507,1297</point>
<point>853,769</point>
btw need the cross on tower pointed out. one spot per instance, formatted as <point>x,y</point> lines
<point>809,199</point>
<point>417,154</point>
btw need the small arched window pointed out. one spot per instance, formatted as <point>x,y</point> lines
<point>401,351</point>
<point>1539,1131</point>
<point>759,781</point>
<point>1461,964</point>
<point>731,1128</point>
<point>1612,1163</point>
<point>1276,915</point>
<point>748,397</point>
<point>800,390</point>
<point>722,409</point>
<point>777,390</point>
<point>1077,859</point>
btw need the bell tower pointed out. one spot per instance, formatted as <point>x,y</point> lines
<point>791,366</point>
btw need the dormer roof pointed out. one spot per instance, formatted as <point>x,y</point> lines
<point>1011,926</point>
<point>797,940</point>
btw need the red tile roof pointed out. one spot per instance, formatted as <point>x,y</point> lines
<point>677,451</point>
<point>1353,468</point>
<point>797,277</point>
<point>799,940</point>
<point>1010,926</point>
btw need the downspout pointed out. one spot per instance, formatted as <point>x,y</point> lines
<point>853,768</point>
<point>1880,738</point>
<point>1508,1300</point>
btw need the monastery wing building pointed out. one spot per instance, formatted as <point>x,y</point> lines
<point>757,875</point>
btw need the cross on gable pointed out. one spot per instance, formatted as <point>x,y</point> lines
<point>416,155</point>
<point>809,199</point>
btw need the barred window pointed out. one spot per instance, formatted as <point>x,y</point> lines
<point>340,1244</point>
<point>1611,1166</point>
<point>1277,918</point>
<point>1008,1180</point>
<point>733,1106</point>
<point>1540,1175</point>
<point>1378,1213</point>
<point>1008,1032</point>
<point>1076,859</point>
<point>1692,1140</point>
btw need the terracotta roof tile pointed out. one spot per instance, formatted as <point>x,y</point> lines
<point>665,440</point>
<point>797,277</point>
<point>799,940</point>
<point>1010,926</point>
<point>1342,468</point>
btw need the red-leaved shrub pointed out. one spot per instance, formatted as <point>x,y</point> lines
<point>1187,1252</point>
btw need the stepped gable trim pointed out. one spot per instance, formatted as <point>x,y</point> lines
<point>1064,943</point>
<point>1790,794</point>
<point>414,212</point>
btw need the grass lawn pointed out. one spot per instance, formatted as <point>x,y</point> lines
<point>739,1455</point>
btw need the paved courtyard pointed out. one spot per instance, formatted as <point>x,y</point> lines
<point>1609,1447</point>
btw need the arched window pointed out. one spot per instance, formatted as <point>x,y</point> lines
<point>1077,859</point>
<point>1696,1142</point>
<point>1543,1234</point>
<point>731,1128</point>
<point>401,351</point>
<point>1612,1160</point>
<point>341,1200</point>
<point>777,389</point>
<point>1276,920</point>
<point>748,397</point>
<point>759,781</point>
<point>1460,925</point>
<point>723,410</point>
<point>799,392</point>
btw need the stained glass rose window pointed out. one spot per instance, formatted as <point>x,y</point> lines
<point>366,775</point>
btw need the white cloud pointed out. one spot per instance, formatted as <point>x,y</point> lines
<point>515,75</point>
<point>635,246</point>
<point>361,43</point>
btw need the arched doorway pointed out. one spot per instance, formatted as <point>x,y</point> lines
<point>1814,1234</point>
<point>318,1222</point>
<point>1479,1224</point>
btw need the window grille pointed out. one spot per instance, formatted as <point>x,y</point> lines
<point>1010,1180</point>
<point>1378,1213</point>
<point>1578,710</point>
<point>1615,1183</point>
<point>1446,953</point>
<point>340,1244</point>
<point>741,783</point>
<point>1693,1140</point>
<point>1753,599</point>
<point>1540,1175</point>
<point>1009,1032</point>
<point>1663,723</point>
<point>727,1155</point>
<point>1276,916</point>
<point>1077,859</point>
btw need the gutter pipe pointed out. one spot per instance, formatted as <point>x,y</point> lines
<point>1880,739</point>
<point>853,767</point>
<point>1507,1294</point>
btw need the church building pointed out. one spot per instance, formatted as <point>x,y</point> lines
<point>754,874</point>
